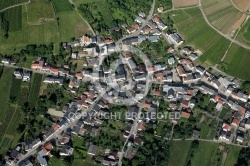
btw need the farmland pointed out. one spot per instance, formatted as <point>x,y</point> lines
<point>14,17</point>
<point>23,33</point>
<point>222,15</point>
<point>232,156</point>
<point>179,152</point>
<point>5,4</point>
<point>62,6</point>
<point>36,10</point>
<point>185,3</point>
<point>191,25</point>
<point>34,90</point>
<point>242,4</point>
<point>236,62</point>
<point>244,34</point>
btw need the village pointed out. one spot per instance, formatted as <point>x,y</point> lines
<point>125,80</point>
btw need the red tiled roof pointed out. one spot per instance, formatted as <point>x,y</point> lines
<point>217,97</point>
<point>236,121</point>
<point>185,114</point>
<point>185,102</point>
<point>226,126</point>
<point>156,19</point>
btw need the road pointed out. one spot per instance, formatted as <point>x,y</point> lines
<point>136,33</point>
<point>55,134</point>
<point>133,131</point>
<point>20,4</point>
<point>90,27</point>
<point>208,140</point>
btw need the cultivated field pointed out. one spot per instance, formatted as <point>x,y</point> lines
<point>232,156</point>
<point>38,9</point>
<point>14,16</point>
<point>23,33</point>
<point>236,62</point>
<point>222,15</point>
<point>185,3</point>
<point>192,26</point>
<point>34,90</point>
<point>7,3</point>
<point>244,34</point>
<point>62,6</point>
<point>242,4</point>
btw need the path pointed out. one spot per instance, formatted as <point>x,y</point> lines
<point>20,4</point>
<point>236,7</point>
<point>90,27</point>
<point>208,140</point>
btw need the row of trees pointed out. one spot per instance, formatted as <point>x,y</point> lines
<point>4,26</point>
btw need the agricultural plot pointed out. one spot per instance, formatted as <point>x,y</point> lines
<point>244,34</point>
<point>38,9</point>
<point>179,153</point>
<point>192,26</point>
<point>77,26</point>
<point>5,85</point>
<point>232,155</point>
<point>34,89</point>
<point>236,62</point>
<point>15,89</point>
<point>62,6</point>
<point>222,15</point>
<point>185,3</point>
<point>14,17</point>
<point>242,4</point>
<point>7,3</point>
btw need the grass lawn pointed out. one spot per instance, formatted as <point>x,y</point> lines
<point>35,88</point>
<point>223,112</point>
<point>232,155</point>
<point>204,153</point>
<point>71,25</point>
<point>39,9</point>
<point>178,153</point>
<point>15,89</point>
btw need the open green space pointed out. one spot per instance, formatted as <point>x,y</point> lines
<point>39,9</point>
<point>244,34</point>
<point>15,89</point>
<point>62,6</point>
<point>14,17</point>
<point>204,153</point>
<point>179,153</point>
<point>34,89</point>
<point>7,3</point>
<point>232,156</point>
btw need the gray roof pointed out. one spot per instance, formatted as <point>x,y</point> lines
<point>93,149</point>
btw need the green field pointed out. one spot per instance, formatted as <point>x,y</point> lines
<point>5,86</point>
<point>232,156</point>
<point>62,5</point>
<point>34,89</point>
<point>236,62</point>
<point>192,26</point>
<point>14,17</point>
<point>39,9</point>
<point>68,25</point>
<point>15,89</point>
<point>204,153</point>
<point>179,153</point>
<point>244,34</point>
<point>7,3</point>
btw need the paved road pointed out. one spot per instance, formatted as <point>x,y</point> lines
<point>20,4</point>
<point>90,27</point>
